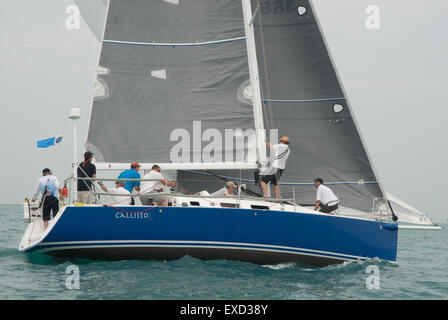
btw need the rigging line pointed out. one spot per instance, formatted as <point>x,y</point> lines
<point>302,100</point>
<point>166,44</point>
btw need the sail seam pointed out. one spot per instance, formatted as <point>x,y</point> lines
<point>287,183</point>
<point>167,44</point>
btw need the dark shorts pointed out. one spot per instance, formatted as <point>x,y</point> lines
<point>51,204</point>
<point>273,178</point>
<point>328,209</point>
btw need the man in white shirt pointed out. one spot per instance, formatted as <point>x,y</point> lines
<point>119,189</point>
<point>149,189</point>
<point>279,154</point>
<point>226,191</point>
<point>48,189</point>
<point>326,200</point>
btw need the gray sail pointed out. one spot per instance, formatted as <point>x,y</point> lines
<point>303,99</point>
<point>163,65</point>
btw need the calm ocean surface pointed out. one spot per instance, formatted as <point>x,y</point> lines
<point>421,273</point>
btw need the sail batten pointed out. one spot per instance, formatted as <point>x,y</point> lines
<point>302,100</point>
<point>174,44</point>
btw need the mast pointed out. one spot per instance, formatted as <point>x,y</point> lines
<point>255,82</point>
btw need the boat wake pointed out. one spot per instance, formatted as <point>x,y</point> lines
<point>280,266</point>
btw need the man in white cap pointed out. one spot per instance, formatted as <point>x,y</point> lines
<point>48,189</point>
<point>226,191</point>
<point>279,154</point>
<point>119,189</point>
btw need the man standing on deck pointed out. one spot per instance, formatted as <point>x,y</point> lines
<point>132,173</point>
<point>326,200</point>
<point>150,188</point>
<point>48,189</point>
<point>279,154</point>
<point>85,188</point>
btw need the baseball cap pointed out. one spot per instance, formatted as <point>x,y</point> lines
<point>135,164</point>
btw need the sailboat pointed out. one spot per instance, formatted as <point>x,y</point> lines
<point>222,76</point>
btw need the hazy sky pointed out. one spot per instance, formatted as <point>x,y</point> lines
<point>395,78</point>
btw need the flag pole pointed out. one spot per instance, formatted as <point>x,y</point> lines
<point>75,115</point>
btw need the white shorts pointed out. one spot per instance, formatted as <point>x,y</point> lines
<point>86,197</point>
<point>150,198</point>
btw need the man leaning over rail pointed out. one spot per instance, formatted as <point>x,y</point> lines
<point>119,189</point>
<point>148,188</point>
<point>132,173</point>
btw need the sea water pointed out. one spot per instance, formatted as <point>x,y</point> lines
<point>421,272</point>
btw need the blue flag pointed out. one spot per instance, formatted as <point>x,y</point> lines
<point>49,142</point>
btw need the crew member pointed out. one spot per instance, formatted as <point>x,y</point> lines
<point>132,173</point>
<point>119,189</point>
<point>85,187</point>
<point>279,154</point>
<point>326,200</point>
<point>226,191</point>
<point>149,189</point>
<point>48,189</point>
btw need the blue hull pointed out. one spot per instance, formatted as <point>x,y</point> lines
<point>258,236</point>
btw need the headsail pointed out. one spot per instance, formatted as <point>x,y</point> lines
<point>304,100</point>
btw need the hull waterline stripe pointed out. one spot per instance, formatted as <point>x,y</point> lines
<point>166,44</point>
<point>329,256</point>
<point>202,247</point>
<point>198,244</point>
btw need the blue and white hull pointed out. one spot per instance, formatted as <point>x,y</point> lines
<point>167,233</point>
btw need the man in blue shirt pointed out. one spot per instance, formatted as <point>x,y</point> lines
<point>132,173</point>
